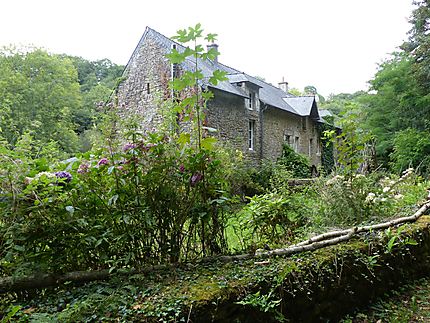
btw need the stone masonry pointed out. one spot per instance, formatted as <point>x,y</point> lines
<point>252,116</point>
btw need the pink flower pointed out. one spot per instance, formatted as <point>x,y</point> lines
<point>103,161</point>
<point>182,168</point>
<point>129,146</point>
<point>197,177</point>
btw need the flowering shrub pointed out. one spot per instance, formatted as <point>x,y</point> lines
<point>350,201</point>
<point>141,197</point>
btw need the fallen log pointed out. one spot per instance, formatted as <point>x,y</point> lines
<point>37,281</point>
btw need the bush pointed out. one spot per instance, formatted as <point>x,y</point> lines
<point>139,198</point>
<point>297,164</point>
<point>411,149</point>
<point>341,201</point>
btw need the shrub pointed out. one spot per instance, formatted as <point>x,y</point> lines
<point>297,164</point>
<point>342,201</point>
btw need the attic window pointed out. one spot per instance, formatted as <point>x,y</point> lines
<point>250,101</point>
<point>239,84</point>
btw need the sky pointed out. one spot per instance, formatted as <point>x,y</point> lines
<point>334,45</point>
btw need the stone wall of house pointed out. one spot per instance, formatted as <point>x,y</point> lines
<point>299,132</point>
<point>145,84</point>
<point>145,87</point>
<point>230,116</point>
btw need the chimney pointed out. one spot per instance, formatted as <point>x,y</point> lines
<point>283,85</point>
<point>215,46</point>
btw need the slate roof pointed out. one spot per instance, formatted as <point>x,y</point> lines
<point>269,94</point>
<point>302,104</point>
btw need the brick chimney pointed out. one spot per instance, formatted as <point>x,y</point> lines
<point>283,85</point>
<point>213,45</point>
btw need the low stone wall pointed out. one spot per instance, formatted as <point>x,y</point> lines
<point>317,286</point>
<point>326,284</point>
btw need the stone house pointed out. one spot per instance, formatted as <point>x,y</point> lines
<point>252,115</point>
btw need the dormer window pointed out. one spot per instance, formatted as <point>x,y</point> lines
<point>250,101</point>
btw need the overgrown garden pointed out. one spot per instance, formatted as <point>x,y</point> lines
<point>140,198</point>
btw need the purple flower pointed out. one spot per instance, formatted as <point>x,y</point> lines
<point>83,168</point>
<point>197,177</point>
<point>147,146</point>
<point>66,175</point>
<point>182,168</point>
<point>103,161</point>
<point>129,146</point>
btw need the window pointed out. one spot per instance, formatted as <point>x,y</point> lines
<point>251,134</point>
<point>296,144</point>
<point>148,90</point>
<point>304,123</point>
<point>311,147</point>
<point>287,139</point>
<point>318,147</point>
<point>250,101</point>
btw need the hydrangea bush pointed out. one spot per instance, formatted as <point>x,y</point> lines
<point>141,197</point>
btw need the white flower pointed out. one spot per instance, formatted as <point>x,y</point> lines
<point>47,174</point>
<point>398,196</point>
<point>391,183</point>
<point>334,179</point>
<point>370,197</point>
<point>386,189</point>
<point>383,199</point>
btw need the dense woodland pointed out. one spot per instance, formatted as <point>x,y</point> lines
<point>82,189</point>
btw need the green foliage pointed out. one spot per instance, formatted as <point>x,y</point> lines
<point>139,198</point>
<point>297,164</point>
<point>39,93</point>
<point>269,218</point>
<point>340,104</point>
<point>418,45</point>
<point>396,239</point>
<point>397,105</point>
<point>411,148</point>
<point>265,303</point>
<point>407,303</point>
<point>52,97</point>
<point>350,145</point>
<point>11,312</point>
<point>343,201</point>
<point>97,79</point>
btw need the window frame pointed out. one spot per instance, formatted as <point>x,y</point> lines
<point>251,135</point>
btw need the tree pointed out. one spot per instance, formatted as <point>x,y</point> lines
<point>38,94</point>
<point>418,45</point>
<point>97,79</point>
<point>339,104</point>
<point>411,148</point>
<point>396,104</point>
<point>312,90</point>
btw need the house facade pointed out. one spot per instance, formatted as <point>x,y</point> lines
<point>253,116</point>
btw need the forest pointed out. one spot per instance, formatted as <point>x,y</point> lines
<point>86,197</point>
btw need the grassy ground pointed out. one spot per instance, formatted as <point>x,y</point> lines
<point>410,303</point>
